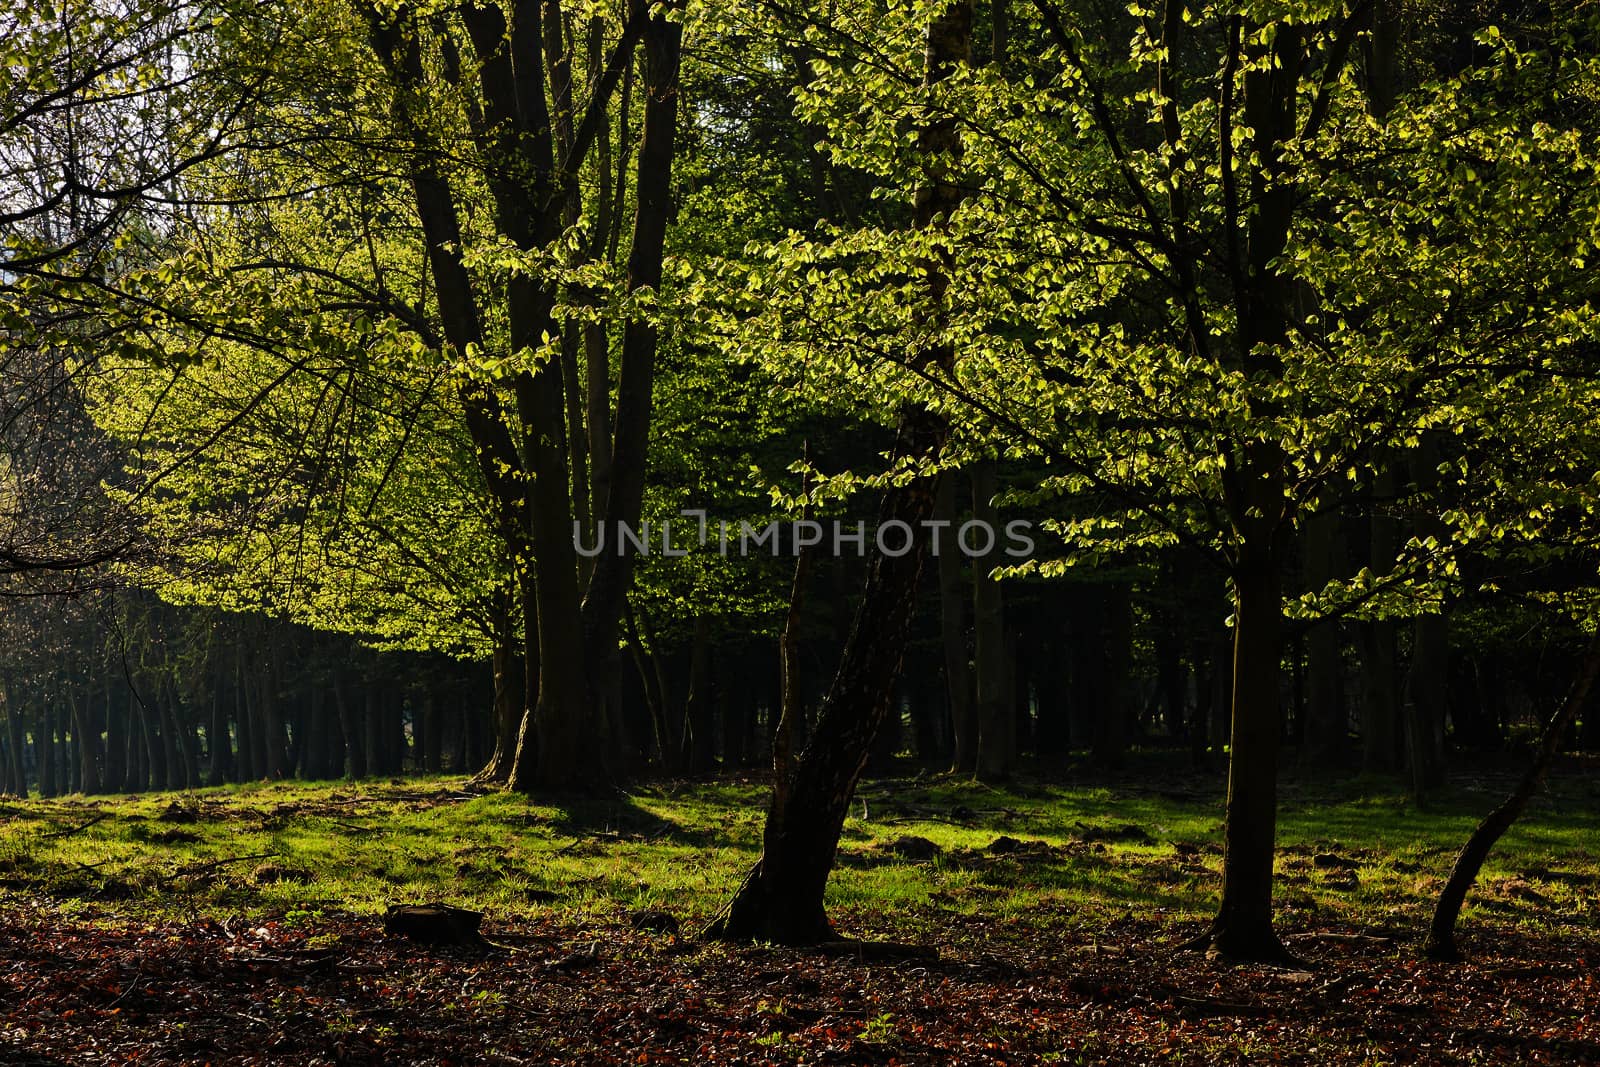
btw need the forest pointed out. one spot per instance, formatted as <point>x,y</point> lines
<point>859,531</point>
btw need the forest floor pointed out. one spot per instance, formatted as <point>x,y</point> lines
<point>243,926</point>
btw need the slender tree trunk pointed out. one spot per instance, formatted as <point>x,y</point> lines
<point>432,734</point>
<point>219,747</point>
<point>1427,679</point>
<point>997,723</point>
<point>1380,687</point>
<point>1324,736</point>
<point>372,721</point>
<point>350,725</point>
<point>699,722</point>
<point>510,690</point>
<point>15,734</point>
<point>1441,942</point>
<point>176,752</point>
<point>86,728</point>
<point>114,775</point>
<point>44,746</point>
<point>733,697</point>
<point>655,699</point>
<point>272,739</point>
<point>1116,712</point>
<point>953,634</point>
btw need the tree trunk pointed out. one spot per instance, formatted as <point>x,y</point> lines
<point>781,897</point>
<point>654,698</point>
<point>953,634</point>
<point>1441,942</point>
<point>997,723</point>
<point>248,767</point>
<point>219,748</point>
<point>1427,680</point>
<point>628,455</point>
<point>271,738</point>
<point>44,746</point>
<point>1380,704</point>
<point>699,744</point>
<point>1323,739</point>
<point>16,734</point>
<point>1243,927</point>
<point>115,775</point>
<point>431,735</point>
<point>1115,712</point>
<point>733,697</point>
<point>86,729</point>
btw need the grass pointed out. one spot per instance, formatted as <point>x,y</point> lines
<point>1352,853</point>
<point>1055,906</point>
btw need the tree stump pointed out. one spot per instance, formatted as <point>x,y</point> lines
<point>433,924</point>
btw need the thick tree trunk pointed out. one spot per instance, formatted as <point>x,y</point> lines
<point>1441,942</point>
<point>1243,927</point>
<point>627,459</point>
<point>1258,500</point>
<point>781,898</point>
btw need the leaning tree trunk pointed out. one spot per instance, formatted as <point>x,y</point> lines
<point>781,897</point>
<point>1441,943</point>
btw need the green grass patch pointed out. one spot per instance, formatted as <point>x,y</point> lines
<point>918,855</point>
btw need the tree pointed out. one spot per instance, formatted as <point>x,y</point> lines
<point>781,898</point>
<point>1197,285</point>
<point>497,313</point>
